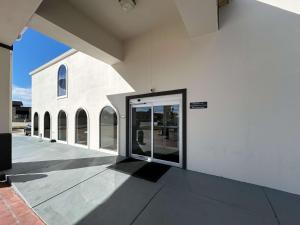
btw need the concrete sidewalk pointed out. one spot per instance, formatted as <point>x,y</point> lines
<point>70,185</point>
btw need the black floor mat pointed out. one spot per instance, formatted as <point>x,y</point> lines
<point>152,171</point>
<point>149,171</point>
<point>128,166</point>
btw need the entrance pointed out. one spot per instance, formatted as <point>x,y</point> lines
<point>156,129</point>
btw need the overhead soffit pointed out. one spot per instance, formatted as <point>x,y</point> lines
<point>125,25</point>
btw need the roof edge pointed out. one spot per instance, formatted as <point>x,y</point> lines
<point>53,61</point>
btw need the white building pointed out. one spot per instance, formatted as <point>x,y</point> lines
<point>246,69</point>
<point>72,109</point>
<point>63,95</point>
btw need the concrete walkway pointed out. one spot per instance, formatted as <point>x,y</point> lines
<point>70,185</point>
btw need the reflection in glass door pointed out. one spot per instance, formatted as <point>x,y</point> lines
<point>166,133</point>
<point>141,118</point>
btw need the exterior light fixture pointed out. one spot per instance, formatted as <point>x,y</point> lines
<point>21,34</point>
<point>127,5</point>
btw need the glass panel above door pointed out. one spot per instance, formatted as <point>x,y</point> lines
<point>141,131</point>
<point>166,133</point>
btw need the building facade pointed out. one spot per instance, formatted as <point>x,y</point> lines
<point>20,113</point>
<point>224,103</point>
<point>73,108</point>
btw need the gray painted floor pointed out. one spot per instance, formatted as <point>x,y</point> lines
<point>71,185</point>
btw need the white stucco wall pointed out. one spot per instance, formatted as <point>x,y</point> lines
<point>89,82</point>
<point>248,72</point>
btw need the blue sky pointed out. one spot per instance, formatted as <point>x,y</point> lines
<point>32,51</point>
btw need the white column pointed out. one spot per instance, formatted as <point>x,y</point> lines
<point>5,108</point>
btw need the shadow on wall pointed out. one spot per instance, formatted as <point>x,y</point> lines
<point>120,87</point>
<point>120,82</point>
<point>138,67</point>
<point>254,33</point>
<point>253,62</point>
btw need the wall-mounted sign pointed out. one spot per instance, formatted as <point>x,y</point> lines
<point>198,105</point>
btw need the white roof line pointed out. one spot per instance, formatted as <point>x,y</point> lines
<point>53,61</point>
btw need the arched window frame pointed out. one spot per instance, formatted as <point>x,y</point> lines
<point>88,128</point>
<point>66,81</point>
<point>67,126</point>
<point>118,136</point>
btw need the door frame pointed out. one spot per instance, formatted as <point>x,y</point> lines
<point>183,93</point>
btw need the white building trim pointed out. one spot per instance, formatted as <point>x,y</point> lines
<point>53,61</point>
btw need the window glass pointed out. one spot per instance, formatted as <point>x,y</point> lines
<point>81,127</point>
<point>141,130</point>
<point>36,125</point>
<point>47,125</point>
<point>62,81</point>
<point>108,129</point>
<point>62,126</point>
<point>166,132</point>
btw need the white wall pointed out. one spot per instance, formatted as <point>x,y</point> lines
<point>89,82</point>
<point>249,74</point>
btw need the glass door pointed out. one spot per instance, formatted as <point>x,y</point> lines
<point>156,130</point>
<point>141,131</point>
<point>166,133</point>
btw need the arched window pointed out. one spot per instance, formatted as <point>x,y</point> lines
<point>108,129</point>
<point>62,81</point>
<point>36,124</point>
<point>62,126</point>
<point>81,130</point>
<point>47,125</point>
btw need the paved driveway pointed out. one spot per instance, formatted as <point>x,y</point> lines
<point>70,185</point>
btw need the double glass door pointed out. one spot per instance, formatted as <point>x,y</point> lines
<point>156,131</point>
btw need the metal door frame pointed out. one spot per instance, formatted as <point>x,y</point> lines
<point>152,102</point>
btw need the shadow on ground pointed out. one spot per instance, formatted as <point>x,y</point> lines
<point>64,164</point>
<point>20,178</point>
